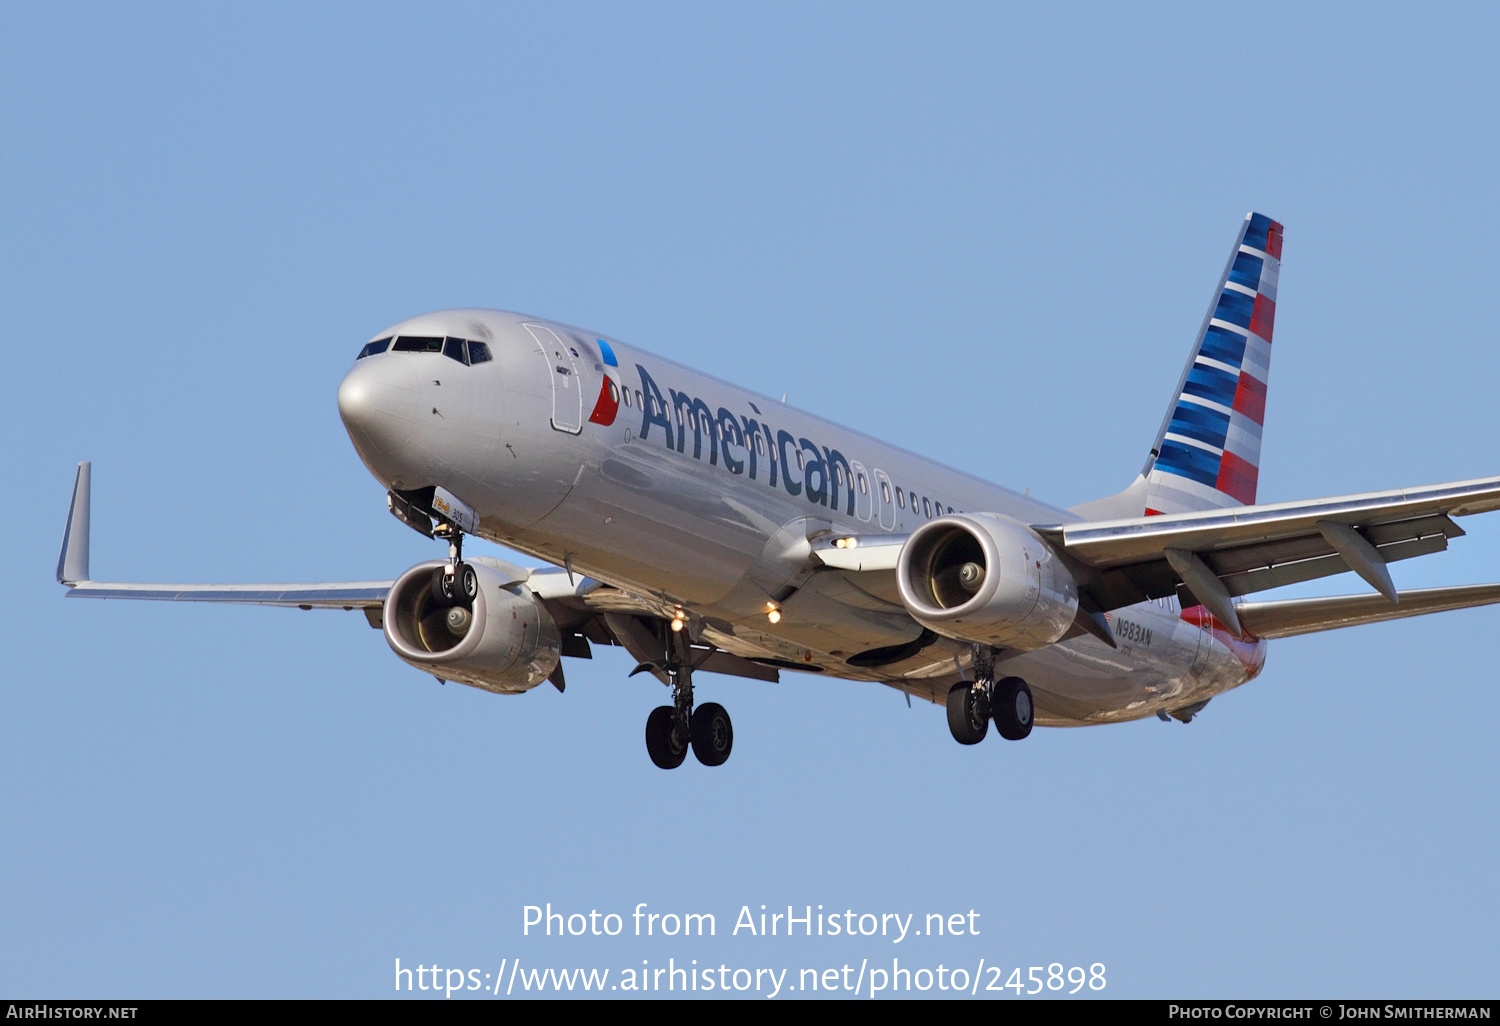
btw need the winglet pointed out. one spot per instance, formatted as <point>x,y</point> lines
<point>73,560</point>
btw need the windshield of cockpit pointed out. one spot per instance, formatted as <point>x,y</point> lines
<point>463,350</point>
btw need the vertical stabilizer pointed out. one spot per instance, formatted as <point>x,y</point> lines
<point>1207,453</point>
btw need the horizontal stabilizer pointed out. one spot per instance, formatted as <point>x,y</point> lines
<point>1290,617</point>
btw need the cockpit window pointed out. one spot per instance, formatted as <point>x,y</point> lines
<point>460,349</point>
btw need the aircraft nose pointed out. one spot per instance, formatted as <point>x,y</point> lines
<point>377,401</point>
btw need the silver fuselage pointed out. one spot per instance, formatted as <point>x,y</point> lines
<point>699,497</point>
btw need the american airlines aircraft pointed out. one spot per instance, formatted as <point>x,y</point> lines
<point>703,527</point>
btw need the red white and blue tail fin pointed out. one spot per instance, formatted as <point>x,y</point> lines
<point>1207,453</point>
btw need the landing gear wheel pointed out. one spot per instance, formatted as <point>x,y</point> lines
<point>665,745</point>
<point>1012,708</point>
<point>967,717</point>
<point>713,734</point>
<point>459,589</point>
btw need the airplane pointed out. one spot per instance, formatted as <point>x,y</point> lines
<point>704,527</point>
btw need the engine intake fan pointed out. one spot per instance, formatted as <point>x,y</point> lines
<point>986,578</point>
<point>502,639</point>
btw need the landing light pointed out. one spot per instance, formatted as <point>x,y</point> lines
<point>845,543</point>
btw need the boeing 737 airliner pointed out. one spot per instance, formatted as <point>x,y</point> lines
<point>703,527</point>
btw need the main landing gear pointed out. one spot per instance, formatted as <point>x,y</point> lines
<point>672,729</point>
<point>972,704</point>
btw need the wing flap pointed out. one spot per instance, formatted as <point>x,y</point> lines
<point>1290,617</point>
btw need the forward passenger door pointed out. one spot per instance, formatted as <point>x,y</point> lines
<point>567,387</point>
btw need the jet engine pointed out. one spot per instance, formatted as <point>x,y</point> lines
<point>986,578</point>
<point>502,639</point>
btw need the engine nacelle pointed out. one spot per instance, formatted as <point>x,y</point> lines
<point>986,578</point>
<point>503,640</point>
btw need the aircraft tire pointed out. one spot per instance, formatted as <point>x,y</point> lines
<point>713,734</point>
<point>458,592</point>
<point>1013,708</point>
<point>661,743</point>
<point>966,717</point>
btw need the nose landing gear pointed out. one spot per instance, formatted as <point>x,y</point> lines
<point>455,581</point>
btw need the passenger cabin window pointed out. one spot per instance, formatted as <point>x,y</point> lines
<point>900,498</point>
<point>926,508</point>
<point>862,488</point>
<point>885,492</point>
<point>371,348</point>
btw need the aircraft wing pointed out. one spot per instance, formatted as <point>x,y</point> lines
<point>331,595</point>
<point>1206,557</point>
<point>585,609</point>
<point>547,583</point>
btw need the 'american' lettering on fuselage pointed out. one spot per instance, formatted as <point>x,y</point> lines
<point>824,470</point>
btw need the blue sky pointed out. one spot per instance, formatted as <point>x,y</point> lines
<point>984,232</point>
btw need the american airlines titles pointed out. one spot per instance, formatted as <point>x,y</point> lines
<point>819,479</point>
